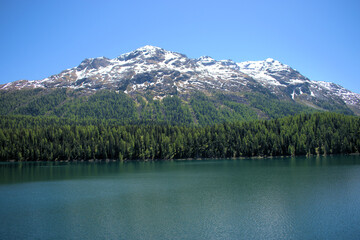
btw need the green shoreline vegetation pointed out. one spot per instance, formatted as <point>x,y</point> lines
<point>27,138</point>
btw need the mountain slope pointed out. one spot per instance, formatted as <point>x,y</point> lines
<point>285,81</point>
<point>259,89</point>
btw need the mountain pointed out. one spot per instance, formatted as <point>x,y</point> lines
<point>205,89</point>
<point>147,69</point>
<point>283,80</point>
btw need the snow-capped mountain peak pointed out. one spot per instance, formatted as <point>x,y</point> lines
<point>271,72</point>
<point>268,64</point>
<point>207,60</point>
<point>149,52</point>
<point>161,72</point>
<point>149,48</point>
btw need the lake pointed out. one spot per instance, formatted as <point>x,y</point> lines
<point>275,198</point>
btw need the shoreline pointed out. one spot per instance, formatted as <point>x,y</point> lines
<point>183,159</point>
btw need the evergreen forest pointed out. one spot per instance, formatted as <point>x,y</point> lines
<point>50,138</point>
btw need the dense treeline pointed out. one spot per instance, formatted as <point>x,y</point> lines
<point>49,139</point>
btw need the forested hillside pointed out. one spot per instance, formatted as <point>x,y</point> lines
<point>50,138</point>
<point>197,108</point>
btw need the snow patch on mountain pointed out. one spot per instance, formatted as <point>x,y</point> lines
<point>347,96</point>
<point>270,72</point>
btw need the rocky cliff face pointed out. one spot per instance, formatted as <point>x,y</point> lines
<point>162,73</point>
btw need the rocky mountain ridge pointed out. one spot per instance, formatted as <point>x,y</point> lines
<point>159,72</point>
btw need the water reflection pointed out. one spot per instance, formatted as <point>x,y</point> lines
<point>278,198</point>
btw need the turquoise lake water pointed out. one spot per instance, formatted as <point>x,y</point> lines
<point>278,198</point>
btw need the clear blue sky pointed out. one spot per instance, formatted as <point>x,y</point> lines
<point>321,39</point>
